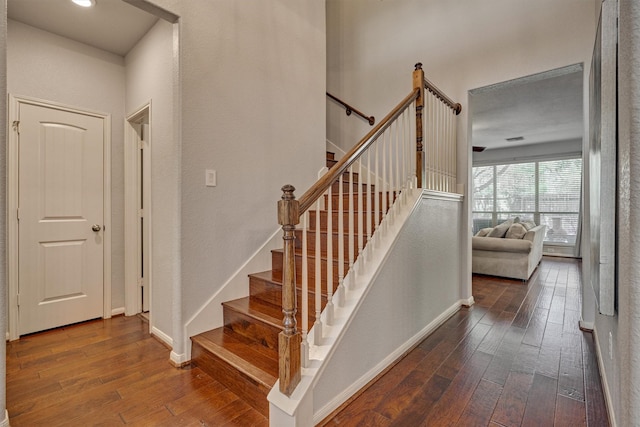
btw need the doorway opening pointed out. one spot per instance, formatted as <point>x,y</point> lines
<point>527,138</point>
<point>138,212</point>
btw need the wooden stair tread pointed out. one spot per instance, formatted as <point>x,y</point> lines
<point>237,351</point>
<point>258,309</point>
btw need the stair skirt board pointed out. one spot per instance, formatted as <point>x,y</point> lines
<point>210,315</point>
<point>385,364</point>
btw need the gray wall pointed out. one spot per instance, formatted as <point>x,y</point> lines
<point>251,104</point>
<point>149,78</point>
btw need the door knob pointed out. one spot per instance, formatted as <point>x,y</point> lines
<point>96,228</point>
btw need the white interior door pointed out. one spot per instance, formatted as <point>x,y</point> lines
<point>61,217</point>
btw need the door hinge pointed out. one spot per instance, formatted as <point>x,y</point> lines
<point>141,282</point>
<point>140,144</point>
<point>18,214</point>
<point>18,299</point>
<point>16,126</point>
<point>140,213</point>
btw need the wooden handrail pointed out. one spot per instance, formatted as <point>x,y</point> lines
<point>352,155</point>
<point>349,109</point>
<point>455,106</point>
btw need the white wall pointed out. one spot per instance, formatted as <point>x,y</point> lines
<point>622,368</point>
<point>45,66</point>
<point>252,89</point>
<point>407,295</point>
<point>372,47</point>
<point>149,78</point>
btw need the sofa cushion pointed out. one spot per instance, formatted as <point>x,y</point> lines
<point>484,232</point>
<point>500,230</point>
<point>528,224</point>
<point>501,245</point>
<point>516,231</point>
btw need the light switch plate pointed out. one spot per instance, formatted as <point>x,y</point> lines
<point>210,178</point>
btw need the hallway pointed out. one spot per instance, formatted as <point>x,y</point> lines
<point>517,357</point>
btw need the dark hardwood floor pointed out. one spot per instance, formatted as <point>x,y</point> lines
<point>110,373</point>
<point>515,358</point>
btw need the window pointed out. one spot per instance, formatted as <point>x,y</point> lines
<point>547,192</point>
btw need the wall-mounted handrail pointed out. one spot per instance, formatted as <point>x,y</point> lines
<point>349,109</point>
<point>318,189</point>
<point>440,94</point>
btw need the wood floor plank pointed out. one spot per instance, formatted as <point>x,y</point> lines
<point>513,400</point>
<point>505,355</point>
<point>571,376</point>
<point>448,409</point>
<point>536,327</point>
<point>428,394</point>
<point>570,412</point>
<point>594,398</point>
<point>541,403</point>
<point>549,357</point>
<point>463,352</point>
<point>481,405</point>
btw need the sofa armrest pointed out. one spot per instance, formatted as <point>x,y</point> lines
<point>497,244</point>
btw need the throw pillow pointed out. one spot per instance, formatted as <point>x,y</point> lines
<point>528,224</point>
<point>516,231</point>
<point>484,232</point>
<point>501,230</point>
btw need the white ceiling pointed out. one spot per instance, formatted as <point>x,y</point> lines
<point>545,107</point>
<point>110,25</point>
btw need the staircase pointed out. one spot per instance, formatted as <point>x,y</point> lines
<point>243,354</point>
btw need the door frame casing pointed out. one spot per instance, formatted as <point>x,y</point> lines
<point>12,204</point>
<point>132,294</point>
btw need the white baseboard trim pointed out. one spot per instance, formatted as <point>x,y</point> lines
<point>603,378</point>
<point>467,302</point>
<point>162,336</point>
<point>117,311</point>
<point>332,405</point>
<point>585,326</point>
<point>5,421</point>
<point>178,359</point>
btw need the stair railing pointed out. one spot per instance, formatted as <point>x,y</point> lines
<point>352,203</point>
<point>439,172</point>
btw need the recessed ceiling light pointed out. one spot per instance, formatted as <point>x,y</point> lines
<point>85,3</point>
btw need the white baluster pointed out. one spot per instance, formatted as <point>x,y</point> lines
<point>329,306</point>
<point>317,336</point>
<point>351,226</point>
<point>378,193</point>
<point>384,181</point>
<point>370,192</point>
<point>340,292</point>
<point>304,303</point>
<point>360,213</point>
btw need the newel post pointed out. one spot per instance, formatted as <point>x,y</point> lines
<point>289,340</point>
<point>418,83</point>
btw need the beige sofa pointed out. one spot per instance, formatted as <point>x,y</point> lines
<point>513,258</point>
